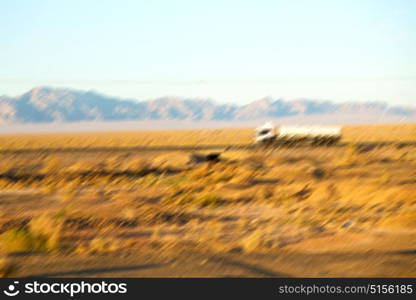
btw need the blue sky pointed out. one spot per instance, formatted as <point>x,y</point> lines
<point>230,51</point>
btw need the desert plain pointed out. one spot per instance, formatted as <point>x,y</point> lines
<point>148,204</point>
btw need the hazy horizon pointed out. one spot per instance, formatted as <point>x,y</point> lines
<point>227,51</point>
<point>197,98</point>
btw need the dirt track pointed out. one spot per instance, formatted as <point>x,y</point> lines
<point>191,263</point>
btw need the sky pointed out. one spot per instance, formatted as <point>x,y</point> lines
<point>228,51</point>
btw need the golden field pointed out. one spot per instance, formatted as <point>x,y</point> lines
<point>304,211</point>
<point>239,136</point>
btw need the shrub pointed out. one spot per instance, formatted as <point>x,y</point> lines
<point>350,156</point>
<point>265,193</point>
<point>221,177</point>
<point>139,165</point>
<point>68,193</point>
<point>129,213</point>
<point>385,178</point>
<point>150,180</point>
<point>21,240</point>
<point>156,234</point>
<point>50,188</point>
<point>51,164</point>
<point>194,199</point>
<point>184,199</point>
<point>252,241</point>
<point>208,200</point>
<point>104,244</point>
<point>319,173</point>
<point>47,228</point>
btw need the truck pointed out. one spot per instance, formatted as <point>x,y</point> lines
<point>268,134</point>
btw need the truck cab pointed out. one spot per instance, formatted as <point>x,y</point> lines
<point>265,133</point>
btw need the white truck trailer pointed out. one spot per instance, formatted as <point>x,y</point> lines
<point>313,134</point>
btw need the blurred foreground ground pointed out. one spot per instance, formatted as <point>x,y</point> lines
<point>302,211</point>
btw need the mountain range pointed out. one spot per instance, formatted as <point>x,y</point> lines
<point>47,104</point>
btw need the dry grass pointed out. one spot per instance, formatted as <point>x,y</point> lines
<point>393,132</point>
<point>101,203</point>
<point>128,139</point>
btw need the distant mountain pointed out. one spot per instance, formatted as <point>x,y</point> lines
<point>45,105</point>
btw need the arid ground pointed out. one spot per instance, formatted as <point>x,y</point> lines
<point>148,204</point>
